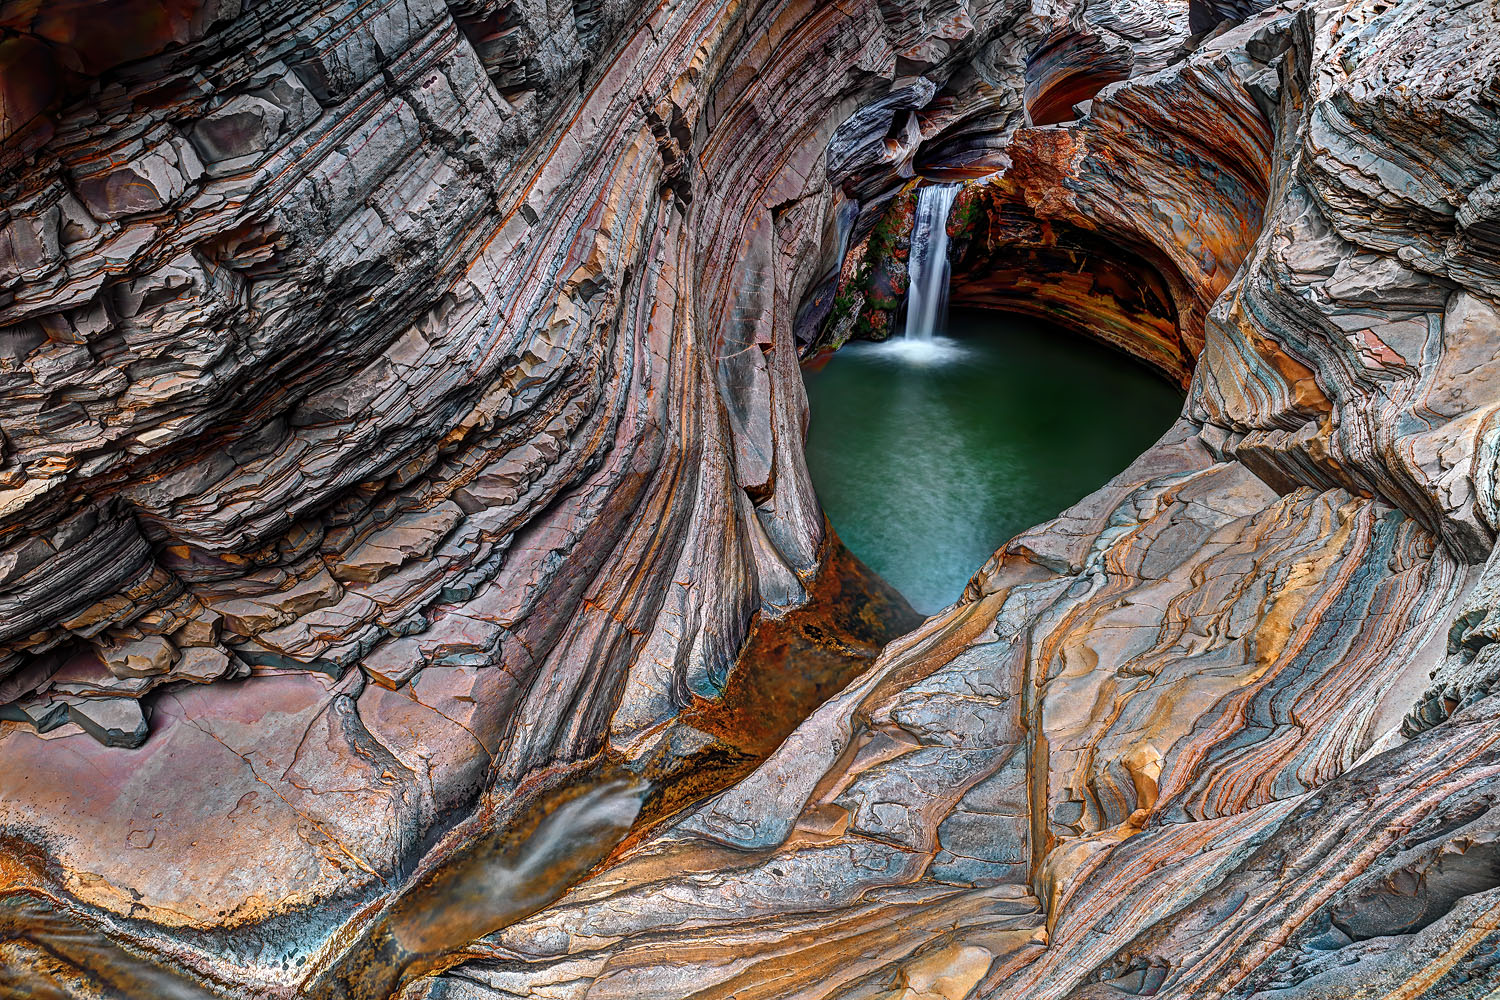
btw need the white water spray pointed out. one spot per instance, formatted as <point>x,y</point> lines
<point>927,291</point>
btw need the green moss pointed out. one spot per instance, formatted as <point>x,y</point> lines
<point>872,294</point>
<point>967,212</point>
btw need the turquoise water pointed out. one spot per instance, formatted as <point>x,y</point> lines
<point>927,458</point>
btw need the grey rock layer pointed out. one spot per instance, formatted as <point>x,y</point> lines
<point>401,408</point>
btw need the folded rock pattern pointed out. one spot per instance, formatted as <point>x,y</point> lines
<point>402,405</point>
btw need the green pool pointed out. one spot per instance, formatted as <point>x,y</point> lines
<point>928,456</point>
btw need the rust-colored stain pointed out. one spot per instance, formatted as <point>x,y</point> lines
<point>515,859</point>
<point>789,666</point>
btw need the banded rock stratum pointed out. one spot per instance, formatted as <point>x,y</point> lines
<point>401,485</point>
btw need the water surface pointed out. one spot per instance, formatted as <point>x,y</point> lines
<point>928,457</point>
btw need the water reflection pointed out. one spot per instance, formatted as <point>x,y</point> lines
<point>519,854</point>
<point>929,456</point>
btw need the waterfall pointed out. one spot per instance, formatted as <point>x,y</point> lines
<point>927,270</point>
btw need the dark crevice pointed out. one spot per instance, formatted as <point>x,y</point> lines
<point>1066,70</point>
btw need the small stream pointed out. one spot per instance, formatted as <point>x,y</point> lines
<point>929,455</point>
<point>521,853</point>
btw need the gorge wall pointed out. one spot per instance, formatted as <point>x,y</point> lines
<point>402,425</point>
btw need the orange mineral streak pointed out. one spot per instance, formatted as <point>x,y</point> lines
<point>500,868</point>
<point>790,664</point>
<point>1084,227</point>
<point>20,866</point>
<point>1417,986</point>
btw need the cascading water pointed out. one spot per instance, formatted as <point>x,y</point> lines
<point>927,291</point>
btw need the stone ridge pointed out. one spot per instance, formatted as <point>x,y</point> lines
<point>401,415</point>
<point>1174,743</point>
<point>400,404</point>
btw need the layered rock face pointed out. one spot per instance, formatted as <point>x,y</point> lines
<point>421,368</point>
<point>402,424</point>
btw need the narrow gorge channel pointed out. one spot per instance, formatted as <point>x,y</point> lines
<point>770,500</point>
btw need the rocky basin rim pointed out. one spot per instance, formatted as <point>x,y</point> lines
<point>401,411</point>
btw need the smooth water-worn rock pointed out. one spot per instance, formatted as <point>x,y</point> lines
<point>401,422</point>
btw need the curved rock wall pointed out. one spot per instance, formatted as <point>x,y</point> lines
<point>1087,225</point>
<point>402,405</point>
<point>1162,748</point>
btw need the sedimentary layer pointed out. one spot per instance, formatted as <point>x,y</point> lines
<point>402,428</point>
<point>1224,728</point>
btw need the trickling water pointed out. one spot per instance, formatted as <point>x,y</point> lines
<point>927,291</point>
<point>507,872</point>
<point>528,853</point>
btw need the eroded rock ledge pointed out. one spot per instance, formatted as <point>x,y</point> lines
<point>401,419</point>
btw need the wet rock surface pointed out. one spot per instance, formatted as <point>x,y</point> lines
<point>401,416</point>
